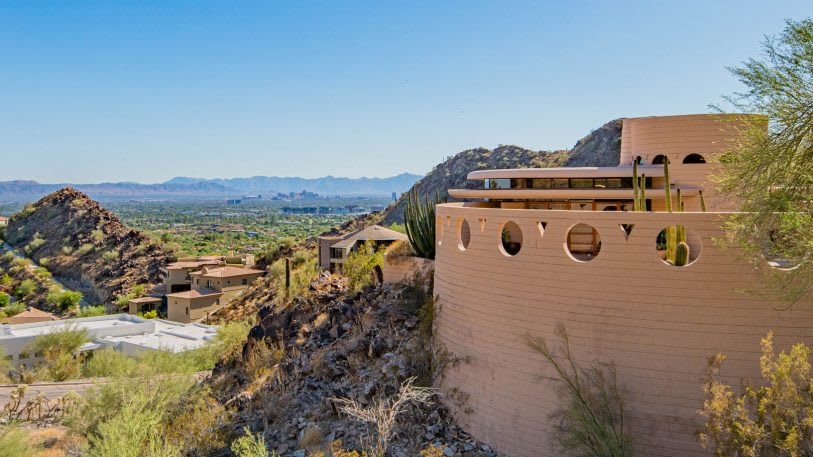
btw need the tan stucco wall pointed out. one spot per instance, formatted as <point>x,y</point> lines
<point>658,323</point>
<point>198,307</point>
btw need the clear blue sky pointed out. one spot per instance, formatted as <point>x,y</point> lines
<point>147,90</point>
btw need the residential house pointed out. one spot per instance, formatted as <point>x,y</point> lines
<point>333,251</point>
<point>211,288</point>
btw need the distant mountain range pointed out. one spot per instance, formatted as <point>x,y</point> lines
<point>184,187</point>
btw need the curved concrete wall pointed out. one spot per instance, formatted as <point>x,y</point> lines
<point>658,323</point>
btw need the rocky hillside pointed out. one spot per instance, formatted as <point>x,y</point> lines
<point>329,345</point>
<point>79,240</point>
<point>600,148</point>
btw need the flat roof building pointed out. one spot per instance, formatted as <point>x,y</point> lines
<point>122,332</point>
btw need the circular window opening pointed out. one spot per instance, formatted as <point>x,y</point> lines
<point>583,242</point>
<point>465,235</point>
<point>659,159</point>
<point>511,238</point>
<point>694,158</point>
<point>678,246</point>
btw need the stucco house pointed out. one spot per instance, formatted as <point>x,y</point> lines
<point>211,288</point>
<point>333,251</point>
<point>536,248</point>
<point>3,221</point>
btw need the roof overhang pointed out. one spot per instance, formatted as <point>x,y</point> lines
<point>573,172</point>
<point>562,194</point>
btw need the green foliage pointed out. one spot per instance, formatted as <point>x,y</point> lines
<point>771,170</point>
<point>590,422</point>
<point>5,280</point>
<point>638,189</point>
<point>398,227</point>
<point>14,309</point>
<point>91,311</point>
<point>249,445</point>
<point>35,244</point>
<point>358,267</point>
<point>107,362</point>
<point>772,420</point>
<point>110,255</point>
<point>420,224</point>
<point>26,288</point>
<point>14,443</point>
<point>4,299</point>
<point>85,249</point>
<point>232,336</point>
<point>97,236</point>
<point>65,300</point>
<point>44,261</point>
<point>152,314</point>
<point>59,350</point>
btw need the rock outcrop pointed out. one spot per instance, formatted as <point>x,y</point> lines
<point>86,243</point>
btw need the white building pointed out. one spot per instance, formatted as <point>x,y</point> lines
<point>122,332</point>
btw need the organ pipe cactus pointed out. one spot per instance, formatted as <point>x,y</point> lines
<point>638,189</point>
<point>681,254</point>
<point>419,218</point>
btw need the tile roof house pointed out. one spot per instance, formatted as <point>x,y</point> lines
<point>333,251</point>
<point>211,288</point>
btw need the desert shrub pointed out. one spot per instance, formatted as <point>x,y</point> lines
<point>108,363</point>
<point>152,314</point>
<point>4,299</point>
<point>64,299</point>
<point>5,280</point>
<point>26,288</point>
<point>84,249</point>
<point>8,257</point>
<point>42,273</point>
<point>35,244</point>
<point>123,300</point>
<point>67,250</point>
<point>109,256</point>
<point>398,227</point>
<point>44,261</point>
<point>14,443</point>
<point>198,425</point>
<point>300,257</point>
<point>590,422</point>
<point>97,236</point>
<point>249,445</point>
<point>59,350</point>
<point>771,420</point>
<point>138,290</point>
<point>232,336</point>
<point>91,311</point>
<point>360,264</point>
<point>383,413</point>
<point>14,309</point>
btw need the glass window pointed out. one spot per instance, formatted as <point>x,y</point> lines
<point>600,183</point>
<point>499,183</point>
<point>613,183</point>
<point>581,183</point>
<point>541,183</point>
<point>560,183</point>
<point>521,183</point>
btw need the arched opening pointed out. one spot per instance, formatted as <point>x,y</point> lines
<point>465,235</point>
<point>678,246</point>
<point>694,158</point>
<point>511,238</point>
<point>583,242</point>
<point>659,159</point>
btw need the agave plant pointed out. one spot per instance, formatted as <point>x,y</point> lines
<point>419,218</point>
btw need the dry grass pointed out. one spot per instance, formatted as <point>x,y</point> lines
<point>55,442</point>
<point>320,321</point>
<point>312,438</point>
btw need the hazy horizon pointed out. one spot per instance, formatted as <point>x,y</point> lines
<point>142,92</point>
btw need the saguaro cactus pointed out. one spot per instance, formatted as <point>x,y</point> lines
<point>681,254</point>
<point>420,223</point>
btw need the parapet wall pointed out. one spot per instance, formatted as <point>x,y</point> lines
<point>658,323</point>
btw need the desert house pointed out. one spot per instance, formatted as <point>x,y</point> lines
<point>547,247</point>
<point>122,332</point>
<point>211,288</point>
<point>29,316</point>
<point>333,251</point>
<point>3,221</point>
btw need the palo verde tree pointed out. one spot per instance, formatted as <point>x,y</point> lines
<point>771,170</point>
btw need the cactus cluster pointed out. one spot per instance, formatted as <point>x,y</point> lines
<point>677,250</point>
<point>638,189</point>
<point>420,223</point>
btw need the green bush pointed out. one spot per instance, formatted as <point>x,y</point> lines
<point>64,299</point>
<point>14,443</point>
<point>249,445</point>
<point>91,311</point>
<point>26,288</point>
<point>67,250</point>
<point>109,363</point>
<point>42,273</point>
<point>110,255</point>
<point>153,314</point>
<point>14,309</point>
<point>35,244</point>
<point>4,299</point>
<point>85,249</point>
<point>59,350</point>
<point>97,236</point>
<point>5,280</point>
<point>359,266</point>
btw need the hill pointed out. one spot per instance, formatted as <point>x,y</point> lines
<point>600,148</point>
<point>81,241</point>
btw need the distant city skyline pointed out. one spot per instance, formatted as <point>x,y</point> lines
<point>145,91</point>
